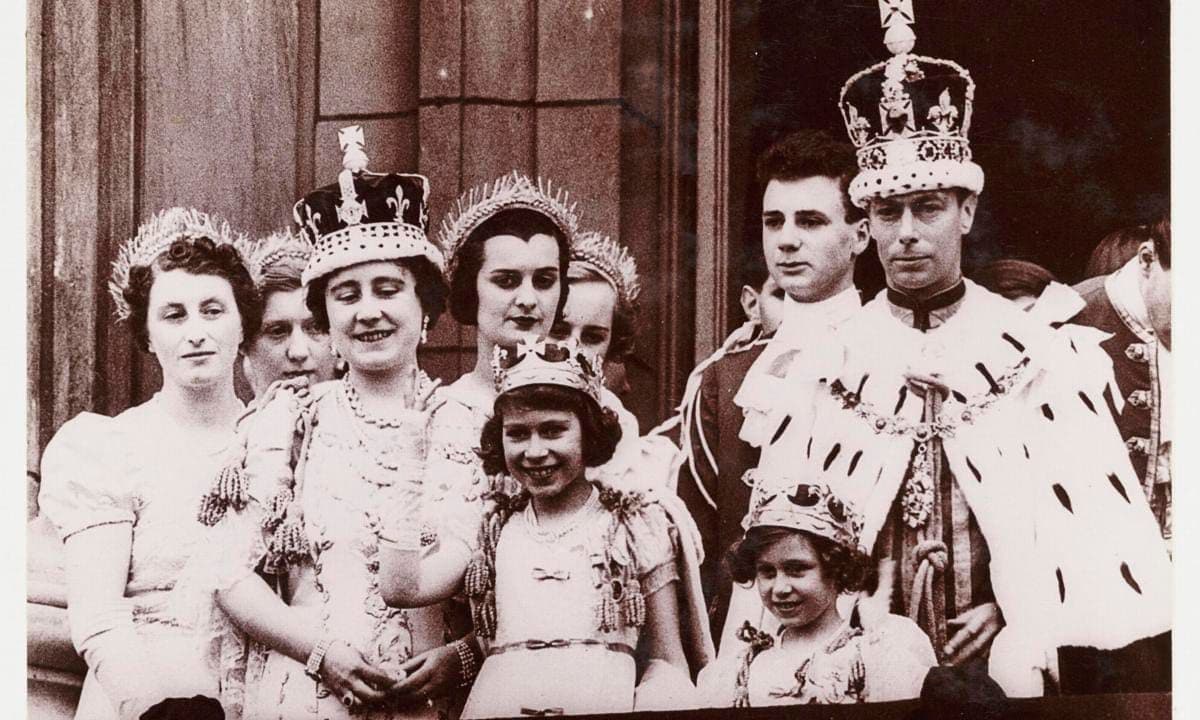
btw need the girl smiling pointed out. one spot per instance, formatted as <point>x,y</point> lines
<point>799,553</point>
<point>572,584</point>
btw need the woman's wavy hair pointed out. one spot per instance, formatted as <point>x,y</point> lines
<point>198,255</point>
<point>600,428</point>
<point>849,569</point>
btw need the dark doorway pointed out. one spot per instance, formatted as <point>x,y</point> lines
<point>1071,121</point>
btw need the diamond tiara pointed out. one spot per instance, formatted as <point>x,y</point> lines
<point>508,192</point>
<point>612,261</point>
<point>279,246</point>
<point>156,235</point>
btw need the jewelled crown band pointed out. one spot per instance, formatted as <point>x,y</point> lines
<point>803,506</point>
<point>607,258</point>
<point>544,362</point>
<point>510,192</point>
<point>156,235</point>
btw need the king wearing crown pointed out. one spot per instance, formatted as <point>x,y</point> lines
<point>975,440</point>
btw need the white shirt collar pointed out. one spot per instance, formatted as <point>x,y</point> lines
<point>799,316</point>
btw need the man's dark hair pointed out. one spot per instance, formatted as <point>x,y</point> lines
<point>1012,278</point>
<point>811,153</point>
<point>1119,246</point>
<point>1162,241</point>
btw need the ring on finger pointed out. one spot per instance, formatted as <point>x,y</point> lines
<point>348,699</point>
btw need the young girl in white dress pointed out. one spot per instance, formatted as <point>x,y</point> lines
<point>571,583</point>
<point>799,553</point>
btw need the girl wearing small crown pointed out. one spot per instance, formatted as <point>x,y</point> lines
<point>297,513</point>
<point>507,246</point>
<point>122,491</point>
<point>799,553</point>
<point>572,584</point>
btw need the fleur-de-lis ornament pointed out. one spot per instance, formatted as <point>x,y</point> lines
<point>859,126</point>
<point>944,114</point>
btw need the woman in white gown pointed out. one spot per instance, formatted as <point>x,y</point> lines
<point>123,491</point>
<point>297,513</point>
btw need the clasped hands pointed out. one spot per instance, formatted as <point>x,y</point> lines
<point>350,677</point>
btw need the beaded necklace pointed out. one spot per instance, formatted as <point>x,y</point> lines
<point>362,421</point>
<point>547,537</point>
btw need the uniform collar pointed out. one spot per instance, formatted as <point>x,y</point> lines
<point>1124,291</point>
<point>922,313</point>
<point>830,311</point>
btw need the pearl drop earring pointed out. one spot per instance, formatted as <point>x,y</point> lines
<point>425,330</point>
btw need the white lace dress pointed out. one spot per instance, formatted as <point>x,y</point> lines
<point>347,473</point>
<point>885,660</point>
<point>138,468</point>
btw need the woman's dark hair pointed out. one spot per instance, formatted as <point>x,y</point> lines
<point>1013,278</point>
<point>431,291</point>
<point>849,569</point>
<point>198,255</point>
<point>519,222</point>
<point>600,428</point>
<point>624,321</point>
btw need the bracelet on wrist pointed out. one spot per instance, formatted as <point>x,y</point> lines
<point>467,660</point>
<point>313,667</point>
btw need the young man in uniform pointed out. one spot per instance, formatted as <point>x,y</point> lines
<point>811,235</point>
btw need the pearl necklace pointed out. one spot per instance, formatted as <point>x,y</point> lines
<point>354,403</point>
<point>354,400</point>
<point>550,536</point>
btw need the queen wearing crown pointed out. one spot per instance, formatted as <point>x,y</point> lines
<point>122,491</point>
<point>298,512</point>
<point>571,582</point>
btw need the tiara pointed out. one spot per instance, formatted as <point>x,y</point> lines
<point>156,235</point>
<point>806,506</point>
<point>545,362</point>
<point>612,261</point>
<point>508,192</point>
<point>279,246</point>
